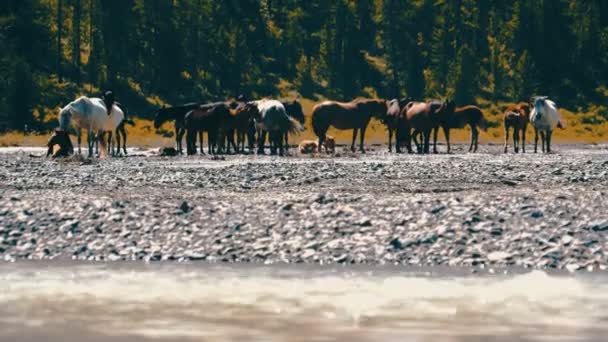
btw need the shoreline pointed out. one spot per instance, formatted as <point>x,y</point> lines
<point>485,210</point>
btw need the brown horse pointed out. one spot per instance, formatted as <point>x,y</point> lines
<point>458,119</point>
<point>210,118</point>
<point>241,123</point>
<point>423,117</point>
<point>517,117</point>
<point>394,121</point>
<point>353,115</point>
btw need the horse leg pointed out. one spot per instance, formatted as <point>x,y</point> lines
<point>506,138</point>
<point>427,141</point>
<point>362,139</point>
<point>279,140</point>
<point>352,146</point>
<point>124,141</point>
<point>549,133</point>
<point>109,149</point>
<point>446,132</point>
<point>90,142</point>
<point>390,139</point>
<point>435,134</point>
<point>474,134</point>
<point>535,140</point>
<point>79,138</point>
<point>516,139</point>
<point>523,140</point>
<point>542,139</point>
<point>287,142</point>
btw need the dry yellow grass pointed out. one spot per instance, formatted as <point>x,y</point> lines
<point>145,135</point>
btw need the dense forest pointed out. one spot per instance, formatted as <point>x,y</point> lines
<point>169,51</point>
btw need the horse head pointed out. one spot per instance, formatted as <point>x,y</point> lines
<point>252,110</point>
<point>160,117</point>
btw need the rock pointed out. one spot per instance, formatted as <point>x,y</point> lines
<point>498,256</point>
<point>598,225</point>
<point>396,243</point>
<point>567,240</point>
<point>184,207</point>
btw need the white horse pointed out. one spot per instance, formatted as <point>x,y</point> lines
<point>272,117</point>
<point>90,114</point>
<point>544,118</point>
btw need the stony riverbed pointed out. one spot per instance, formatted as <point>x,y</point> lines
<point>484,210</point>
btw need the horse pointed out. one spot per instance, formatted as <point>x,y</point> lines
<point>295,111</point>
<point>241,123</point>
<point>516,117</point>
<point>459,118</point>
<point>311,146</point>
<point>177,114</point>
<point>90,114</point>
<point>270,116</point>
<point>209,117</point>
<point>394,121</point>
<point>121,135</point>
<point>423,117</point>
<point>544,118</point>
<point>354,115</point>
<point>62,139</point>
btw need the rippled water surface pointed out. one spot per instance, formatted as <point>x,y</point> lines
<point>124,302</point>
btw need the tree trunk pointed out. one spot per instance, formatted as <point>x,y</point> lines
<point>59,32</point>
<point>76,40</point>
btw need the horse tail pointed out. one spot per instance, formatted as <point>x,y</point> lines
<point>294,126</point>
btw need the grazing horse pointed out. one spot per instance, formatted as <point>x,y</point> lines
<point>423,117</point>
<point>458,119</point>
<point>177,114</point>
<point>517,117</point>
<point>394,121</point>
<point>270,116</point>
<point>61,138</point>
<point>353,115</point>
<point>90,114</point>
<point>211,118</point>
<point>544,118</point>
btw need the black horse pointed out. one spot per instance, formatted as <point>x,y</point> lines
<point>177,114</point>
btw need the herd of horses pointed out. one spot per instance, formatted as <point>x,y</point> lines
<point>253,121</point>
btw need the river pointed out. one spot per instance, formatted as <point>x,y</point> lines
<point>207,302</point>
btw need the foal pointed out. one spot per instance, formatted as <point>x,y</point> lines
<point>517,117</point>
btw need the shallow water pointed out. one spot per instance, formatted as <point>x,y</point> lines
<point>202,302</point>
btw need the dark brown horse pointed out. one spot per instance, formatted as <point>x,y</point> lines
<point>458,119</point>
<point>353,115</point>
<point>177,114</point>
<point>423,117</point>
<point>517,117</point>
<point>61,138</point>
<point>209,118</point>
<point>394,121</point>
<point>295,111</point>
